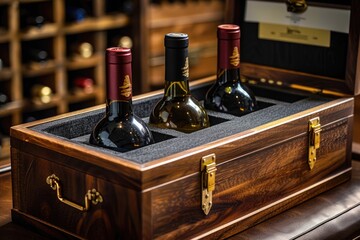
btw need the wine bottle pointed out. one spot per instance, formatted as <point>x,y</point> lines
<point>37,55</point>
<point>123,41</point>
<point>228,94</point>
<point>37,58</point>
<point>41,94</point>
<point>82,50</point>
<point>75,14</point>
<point>31,19</point>
<point>3,98</point>
<point>83,84</point>
<point>178,109</point>
<point>120,129</point>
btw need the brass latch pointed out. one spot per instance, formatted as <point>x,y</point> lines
<point>314,140</point>
<point>208,169</point>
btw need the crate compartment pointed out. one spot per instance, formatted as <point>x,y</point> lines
<point>223,125</point>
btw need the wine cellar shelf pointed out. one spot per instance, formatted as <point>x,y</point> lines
<point>40,42</point>
<point>54,29</point>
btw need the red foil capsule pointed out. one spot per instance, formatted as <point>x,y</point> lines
<point>118,74</point>
<point>85,84</point>
<point>228,46</point>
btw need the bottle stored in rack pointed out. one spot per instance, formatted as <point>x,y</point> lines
<point>41,94</point>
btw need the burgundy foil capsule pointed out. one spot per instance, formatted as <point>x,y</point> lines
<point>119,74</point>
<point>228,46</point>
<point>228,31</point>
<point>118,55</point>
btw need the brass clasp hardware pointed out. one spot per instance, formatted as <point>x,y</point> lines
<point>208,169</point>
<point>314,140</point>
<point>296,6</point>
<point>92,196</point>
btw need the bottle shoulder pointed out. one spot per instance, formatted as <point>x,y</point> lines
<point>231,89</point>
<point>186,102</point>
<point>122,122</point>
<point>121,134</point>
<point>233,97</point>
<point>183,114</point>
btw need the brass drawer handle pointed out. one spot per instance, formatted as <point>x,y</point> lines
<point>92,196</point>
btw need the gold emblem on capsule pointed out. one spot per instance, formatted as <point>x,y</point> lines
<point>185,69</point>
<point>125,89</point>
<point>235,57</point>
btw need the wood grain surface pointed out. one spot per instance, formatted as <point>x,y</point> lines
<point>258,175</point>
<point>5,198</point>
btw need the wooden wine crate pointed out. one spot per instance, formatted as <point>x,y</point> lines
<point>211,183</point>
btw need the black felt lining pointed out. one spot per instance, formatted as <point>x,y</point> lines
<point>76,129</point>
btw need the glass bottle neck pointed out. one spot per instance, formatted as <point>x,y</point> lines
<point>174,89</point>
<point>118,109</point>
<point>228,62</point>
<point>228,53</point>
<point>119,90</point>
<point>176,72</point>
<point>228,75</point>
<point>119,82</point>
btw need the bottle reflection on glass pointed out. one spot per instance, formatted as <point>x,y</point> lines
<point>228,94</point>
<point>178,109</point>
<point>120,129</point>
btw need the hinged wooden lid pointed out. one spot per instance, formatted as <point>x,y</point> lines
<point>329,70</point>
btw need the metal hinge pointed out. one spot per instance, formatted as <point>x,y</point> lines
<point>208,169</point>
<point>314,140</point>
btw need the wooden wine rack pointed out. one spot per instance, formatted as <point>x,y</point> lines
<point>146,24</point>
<point>56,36</point>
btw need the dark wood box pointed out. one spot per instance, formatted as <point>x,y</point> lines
<point>246,168</point>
